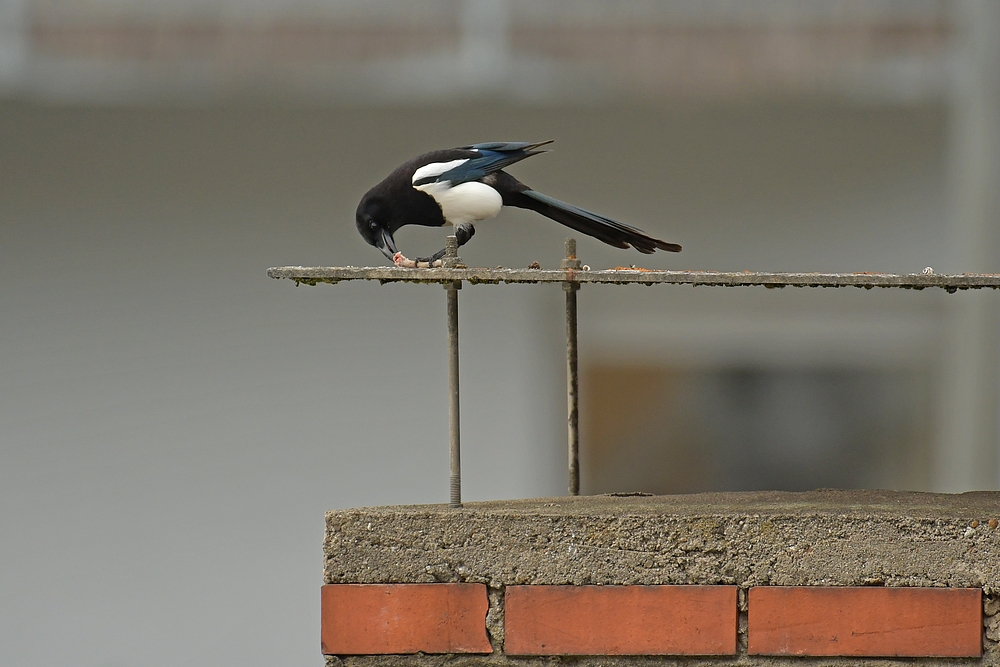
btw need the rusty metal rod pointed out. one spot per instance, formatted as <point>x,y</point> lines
<point>624,276</point>
<point>569,265</point>
<point>454,432</point>
<point>451,259</point>
<point>571,275</point>
<point>572,391</point>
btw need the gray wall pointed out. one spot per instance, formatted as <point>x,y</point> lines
<point>173,424</point>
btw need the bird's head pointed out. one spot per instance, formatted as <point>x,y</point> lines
<point>373,226</point>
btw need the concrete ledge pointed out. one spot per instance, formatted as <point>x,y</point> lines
<point>746,540</point>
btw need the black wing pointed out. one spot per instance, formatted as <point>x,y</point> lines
<point>487,159</point>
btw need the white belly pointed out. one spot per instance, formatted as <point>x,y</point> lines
<point>465,202</point>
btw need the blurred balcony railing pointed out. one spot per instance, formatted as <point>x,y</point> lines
<point>375,51</point>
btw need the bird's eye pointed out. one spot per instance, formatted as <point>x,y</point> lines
<point>373,225</point>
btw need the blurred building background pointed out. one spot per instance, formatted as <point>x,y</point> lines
<point>173,423</point>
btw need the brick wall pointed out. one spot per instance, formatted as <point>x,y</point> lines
<point>747,578</point>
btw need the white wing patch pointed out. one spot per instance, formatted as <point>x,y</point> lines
<point>436,169</point>
<point>466,202</point>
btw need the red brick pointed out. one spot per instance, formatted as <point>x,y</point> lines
<point>369,619</point>
<point>866,621</point>
<point>620,620</point>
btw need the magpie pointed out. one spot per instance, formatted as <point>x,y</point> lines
<point>462,186</point>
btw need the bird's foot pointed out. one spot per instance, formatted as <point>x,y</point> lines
<point>463,233</point>
<point>419,263</point>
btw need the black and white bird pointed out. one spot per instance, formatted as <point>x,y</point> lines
<point>461,186</point>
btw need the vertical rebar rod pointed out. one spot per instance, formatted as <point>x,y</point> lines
<point>454,433</point>
<point>572,370</point>
<point>451,259</point>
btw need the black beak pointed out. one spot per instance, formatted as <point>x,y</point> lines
<point>386,245</point>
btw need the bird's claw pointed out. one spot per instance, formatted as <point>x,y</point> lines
<point>405,263</point>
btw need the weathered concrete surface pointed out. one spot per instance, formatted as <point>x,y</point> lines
<point>838,538</point>
<point>820,538</point>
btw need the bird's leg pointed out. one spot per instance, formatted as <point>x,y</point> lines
<point>433,258</point>
<point>463,233</point>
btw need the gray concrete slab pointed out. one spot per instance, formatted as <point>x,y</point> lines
<point>835,538</point>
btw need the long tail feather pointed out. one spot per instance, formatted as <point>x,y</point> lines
<point>610,231</point>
